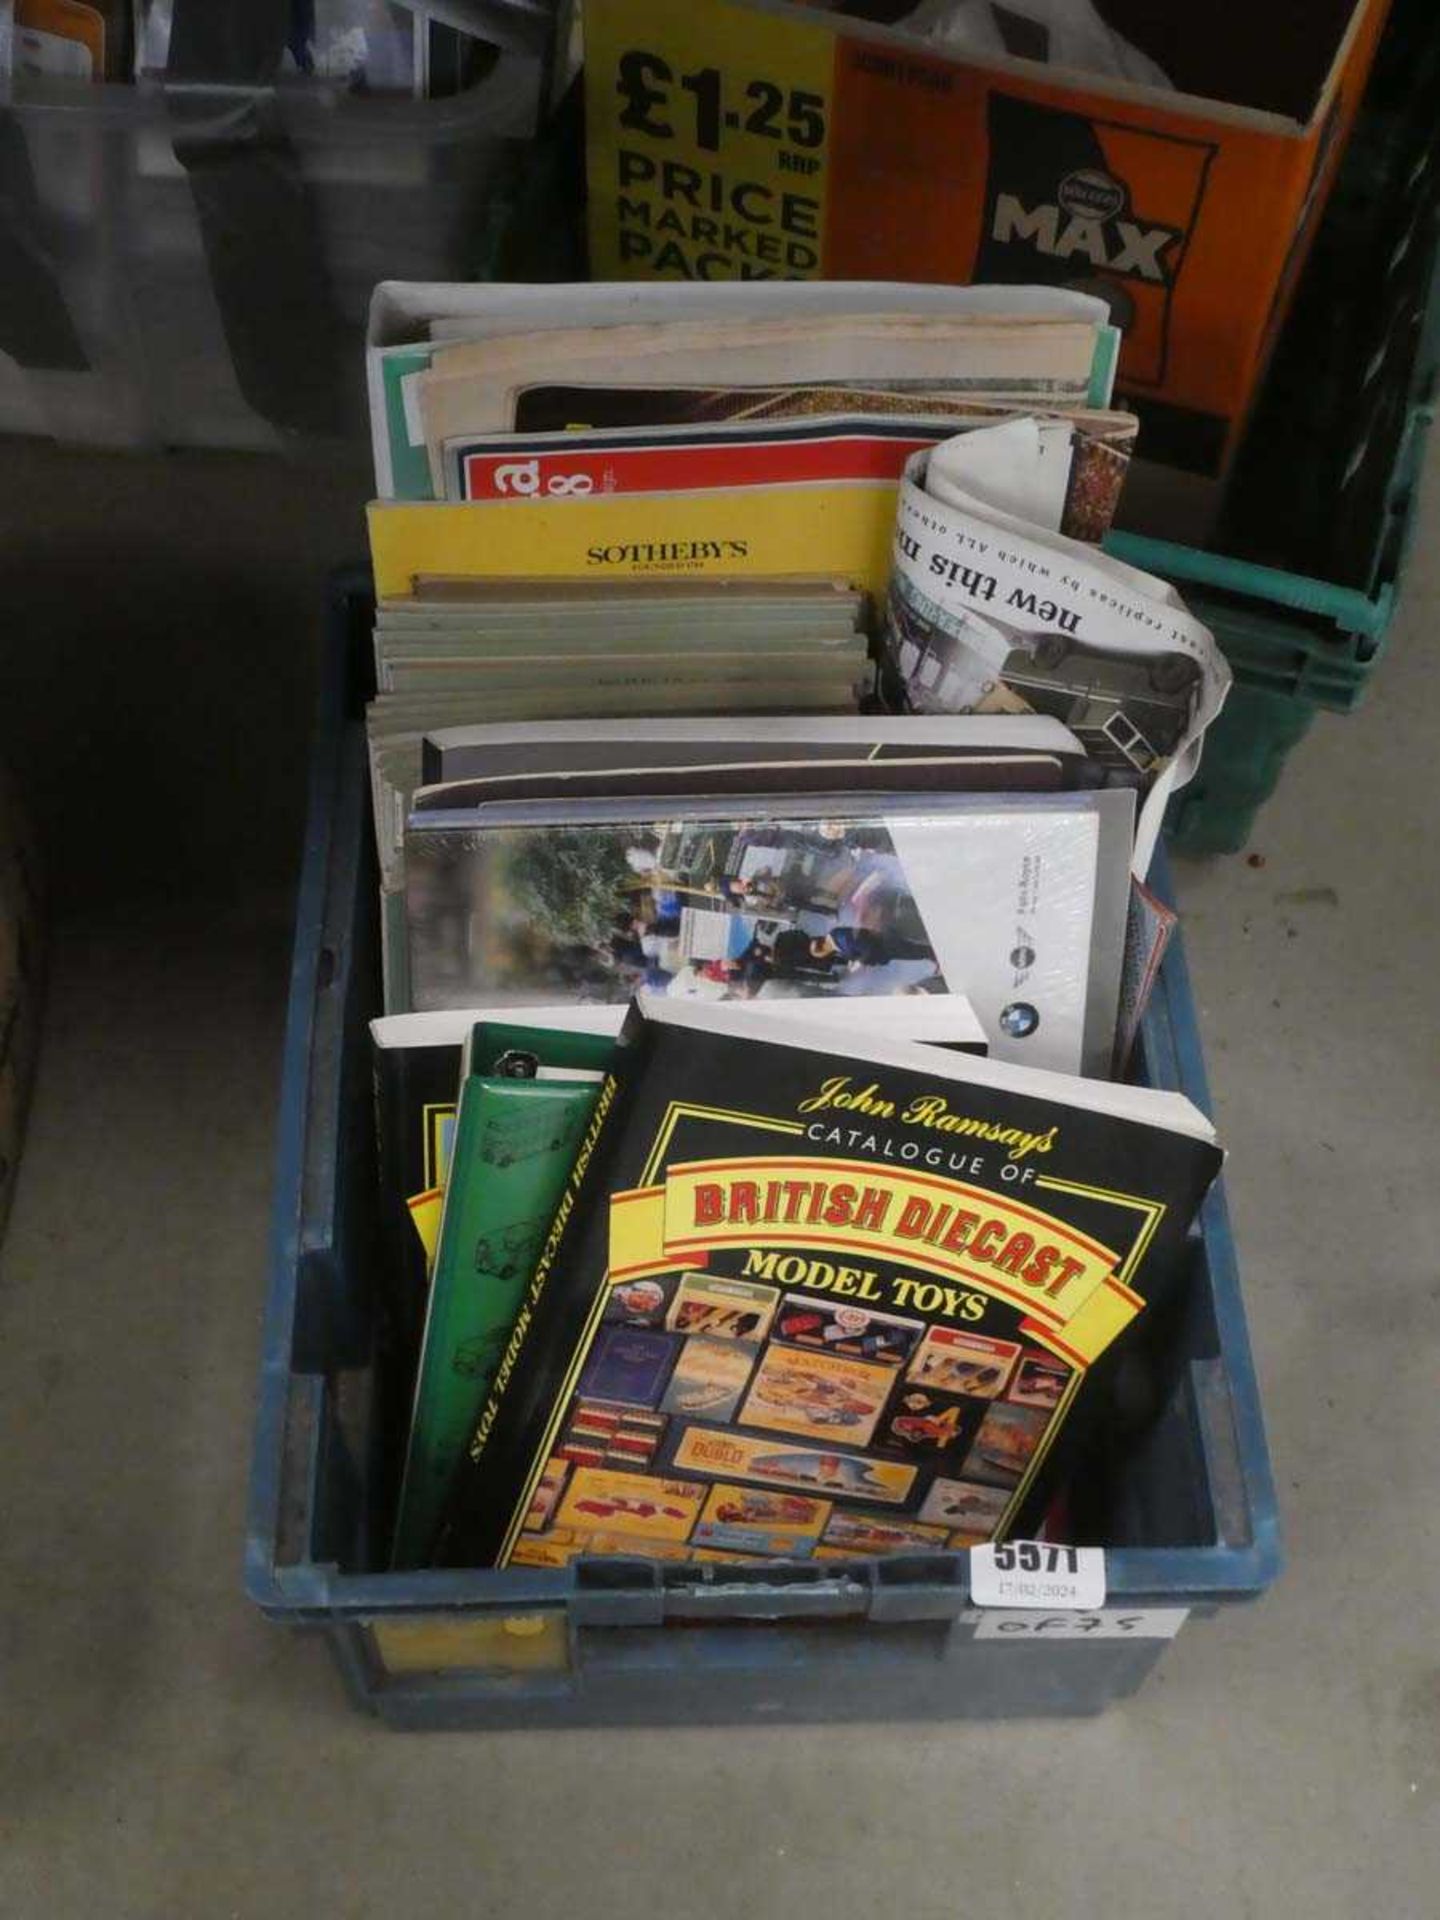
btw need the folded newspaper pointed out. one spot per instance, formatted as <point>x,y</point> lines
<point>991,609</point>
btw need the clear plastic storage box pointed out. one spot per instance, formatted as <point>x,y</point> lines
<point>187,261</point>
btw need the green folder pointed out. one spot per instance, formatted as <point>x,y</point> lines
<point>526,1097</point>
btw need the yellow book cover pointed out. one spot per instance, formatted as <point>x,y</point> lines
<point>425,1210</point>
<point>838,532</point>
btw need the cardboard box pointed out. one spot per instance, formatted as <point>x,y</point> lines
<point>744,139</point>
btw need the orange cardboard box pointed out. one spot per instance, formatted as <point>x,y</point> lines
<point>741,139</point>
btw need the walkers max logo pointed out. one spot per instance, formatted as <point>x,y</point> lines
<point>1086,223</point>
<point>1091,204</point>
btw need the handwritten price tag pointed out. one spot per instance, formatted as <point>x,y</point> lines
<point>1109,1623</point>
<point>1037,1573</point>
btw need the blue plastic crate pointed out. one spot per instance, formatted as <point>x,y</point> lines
<point>1190,1518</point>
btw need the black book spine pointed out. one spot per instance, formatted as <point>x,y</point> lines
<point>410,1083</point>
<point>393,1103</point>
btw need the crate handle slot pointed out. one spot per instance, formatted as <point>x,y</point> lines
<point>902,1589</point>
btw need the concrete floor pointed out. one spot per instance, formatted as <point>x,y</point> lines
<point>164,1752</point>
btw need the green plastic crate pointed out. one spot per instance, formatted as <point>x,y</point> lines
<point>1292,632</point>
<point>1296,644</point>
<point>1245,754</point>
<point>1304,577</point>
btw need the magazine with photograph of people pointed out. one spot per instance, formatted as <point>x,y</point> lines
<point>991,896</point>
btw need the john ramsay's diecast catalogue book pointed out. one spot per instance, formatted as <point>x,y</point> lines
<point>810,1296</point>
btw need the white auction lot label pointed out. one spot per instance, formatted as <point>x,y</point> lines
<point>1037,1573</point>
